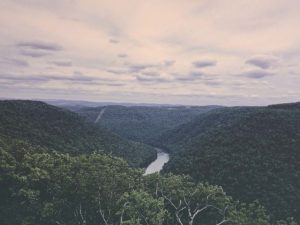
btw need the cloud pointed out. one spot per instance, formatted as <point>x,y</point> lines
<point>135,68</point>
<point>150,73</point>
<point>15,62</point>
<point>117,71</point>
<point>113,41</point>
<point>38,45</point>
<point>36,49</point>
<point>261,62</point>
<point>153,79</point>
<point>61,63</point>
<point>122,55</point>
<point>20,62</point>
<point>21,77</point>
<point>169,62</point>
<point>34,54</point>
<point>76,77</point>
<point>191,76</point>
<point>111,84</point>
<point>196,74</point>
<point>213,83</point>
<point>257,74</point>
<point>204,63</point>
<point>147,69</point>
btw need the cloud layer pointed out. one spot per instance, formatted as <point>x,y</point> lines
<point>187,52</point>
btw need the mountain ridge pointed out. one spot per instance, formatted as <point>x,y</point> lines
<point>62,130</point>
<point>245,150</point>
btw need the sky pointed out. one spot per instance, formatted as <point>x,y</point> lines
<point>193,52</point>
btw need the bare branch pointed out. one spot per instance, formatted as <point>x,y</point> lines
<point>178,217</point>
<point>101,212</point>
<point>223,221</point>
<point>145,219</point>
<point>169,200</point>
<point>156,190</point>
<point>122,214</point>
<point>81,215</point>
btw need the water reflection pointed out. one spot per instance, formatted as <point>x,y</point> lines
<point>157,165</point>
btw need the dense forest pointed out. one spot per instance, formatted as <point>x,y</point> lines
<point>42,187</point>
<point>141,123</point>
<point>61,130</point>
<point>252,152</point>
<point>233,165</point>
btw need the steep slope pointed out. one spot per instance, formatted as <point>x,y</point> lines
<point>179,138</point>
<point>252,152</point>
<point>61,130</point>
<point>142,123</point>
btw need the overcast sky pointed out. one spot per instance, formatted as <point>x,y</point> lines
<point>229,52</point>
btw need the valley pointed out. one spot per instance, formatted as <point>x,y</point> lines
<point>242,149</point>
<point>139,112</point>
<point>150,155</point>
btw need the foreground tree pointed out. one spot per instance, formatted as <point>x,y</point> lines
<point>37,187</point>
<point>189,203</point>
<point>139,207</point>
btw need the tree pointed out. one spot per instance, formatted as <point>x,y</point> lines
<point>140,208</point>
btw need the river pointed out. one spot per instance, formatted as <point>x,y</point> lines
<point>157,165</point>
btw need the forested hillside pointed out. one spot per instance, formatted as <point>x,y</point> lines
<point>61,130</point>
<point>252,152</point>
<point>142,123</point>
<point>40,187</point>
<point>57,167</point>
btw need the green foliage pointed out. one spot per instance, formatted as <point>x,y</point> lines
<point>250,214</point>
<point>289,221</point>
<point>252,152</point>
<point>197,203</point>
<point>142,123</point>
<point>139,207</point>
<point>54,188</point>
<point>61,130</point>
<point>54,170</point>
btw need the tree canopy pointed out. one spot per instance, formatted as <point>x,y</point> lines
<point>252,152</point>
<point>38,187</point>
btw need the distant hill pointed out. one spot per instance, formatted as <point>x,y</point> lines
<point>295,105</point>
<point>142,123</point>
<point>252,152</point>
<point>61,130</point>
<point>77,103</point>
